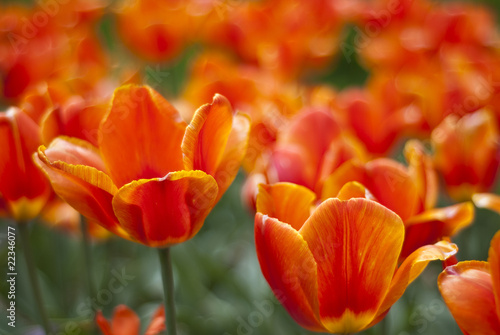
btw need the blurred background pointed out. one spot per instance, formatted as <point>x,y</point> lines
<point>201,47</point>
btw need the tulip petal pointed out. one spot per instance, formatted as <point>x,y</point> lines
<point>23,186</point>
<point>422,171</point>
<point>216,141</point>
<point>487,200</point>
<point>165,211</point>
<point>355,243</point>
<point>353,189</point>
<point>411,269</point>
<point>233,154</point>
<point>87,189</point>
<point>157,323</point>
<point>286,202</point>
<point>125,321</point>
<point>289,268</point>
<point>393,186</point>
<point>468,292</point>
<point>141,136</point>
<point>435,224</point>
<point>494,261</point>
<point>103,324</point>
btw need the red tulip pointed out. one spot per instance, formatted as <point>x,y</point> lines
<point>471,290</point>
<point>126,322</point>
<point>335,267</point>
<point>153,179</point>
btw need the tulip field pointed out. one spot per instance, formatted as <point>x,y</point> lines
<point>248,167</point>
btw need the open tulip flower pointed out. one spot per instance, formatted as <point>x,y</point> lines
<point>126,322</point>
<point>23,187</point>
<point>336,269</point>
<point>411,192</point>
<point>467,153</point>
<point>154,179</point>
<point>471,290</point>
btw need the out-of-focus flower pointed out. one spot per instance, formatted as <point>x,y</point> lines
<point>285,37</point>
<point>378,114</point>
<point>23,187</point>
<point>335,267</point>
<point>471,290</point>
<point>467,153</point>
<point>308,149</point>
<point>126,322</point>
<point>411,192</point>
<point>50,41</point>
<point>154,30</point>
<point>153,178</point>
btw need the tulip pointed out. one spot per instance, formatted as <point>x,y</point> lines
<point>24,190</point>
<point>126,322</point>
<point>153,179</point>
<point>335,267</point>
<point>471,290</point>
<point>467,153</point>
<point>410,192</point>
<point>23,186</point>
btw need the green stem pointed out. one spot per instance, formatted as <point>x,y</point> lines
<point>168,289</point>
<point>87,256</point>
<point>23,231</point>
<point>88,263</point>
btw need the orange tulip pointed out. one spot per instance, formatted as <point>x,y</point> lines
<point>335,267</point>
<point>467,153</point>
<point>411,192</point>
<point>471,290</point>
<point>153,179</point>
<point>126,322</point>
<point>23,187</point>
<point>310,147</point>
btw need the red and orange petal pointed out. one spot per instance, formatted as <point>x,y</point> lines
<point>467,153</point>
<point>349,231</point>
<point>435,224</point>
<point>421,169</point>
<point>166,211</point>
<point>467,289</point>
<point>215,141</point>
<point>23,187</point>
<point>136,125</point>
<point>86,188</point>
<point>411,268</point>
<point>286,202</point>
<point>494,262</point>
<point>77,119</point>
<point>388,181</point>
<point>289,268</point>
<point>124,322</point>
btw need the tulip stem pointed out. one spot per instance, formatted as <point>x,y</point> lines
<point>86,255</point>
<point>28,255</point>
<point>168,289</point>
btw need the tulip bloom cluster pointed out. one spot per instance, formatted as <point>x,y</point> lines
<point>353,187</point>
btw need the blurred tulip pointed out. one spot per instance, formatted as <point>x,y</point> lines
<point>153,179</point>
<point>155,31</point>
<point>471,290</point>
<point>335,267</point>
<point>411,192</point>
<point>126,322</point>
<point>23,187</point>
<point>308,149</point>
<point>467,153</point>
